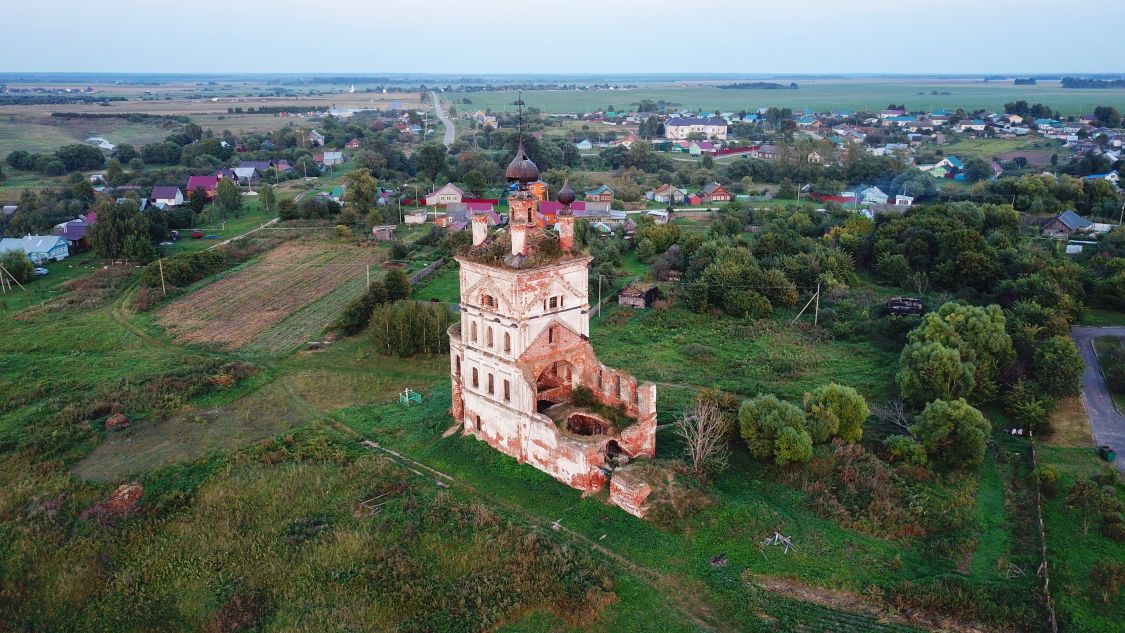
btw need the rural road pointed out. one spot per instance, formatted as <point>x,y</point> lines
<point>450,131</point>
<point>1108,425</point>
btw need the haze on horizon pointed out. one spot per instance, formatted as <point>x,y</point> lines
<point>575,36</point>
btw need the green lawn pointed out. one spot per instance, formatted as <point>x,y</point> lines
<point>443,285</point>
<point>1097,317</point>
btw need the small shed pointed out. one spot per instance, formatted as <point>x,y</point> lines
<point>903,306</point>
<point>638,295</point>
<point>385,233</point>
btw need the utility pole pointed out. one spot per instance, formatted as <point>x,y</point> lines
<point>368,269</point>
<point>816,310</point>
<point>11,278</point>
<point>160,265</point>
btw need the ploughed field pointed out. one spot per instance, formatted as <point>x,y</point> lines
<point>288,284</point>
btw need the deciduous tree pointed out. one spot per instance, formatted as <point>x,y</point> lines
<point>953,433</point>
<point>704,430</point>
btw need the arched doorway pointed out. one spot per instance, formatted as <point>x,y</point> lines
<point>554,384</point>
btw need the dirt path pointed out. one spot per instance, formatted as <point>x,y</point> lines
<point>225,242</point>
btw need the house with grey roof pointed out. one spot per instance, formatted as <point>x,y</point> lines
<point>39,248</point>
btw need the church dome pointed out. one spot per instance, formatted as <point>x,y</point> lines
<point>565,195</point>
<point>521,169</point>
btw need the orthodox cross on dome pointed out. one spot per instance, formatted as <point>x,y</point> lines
<point>519,110</point>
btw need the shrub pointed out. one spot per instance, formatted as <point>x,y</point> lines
<point>1048,478</point>
<point>792,445</point>
<point>761,420</point>
<point>18,265</point>
<point>357,314</point>
<point>1028,408</point>
<point>833,410</point>
<point>953,433</point>
<point>583,396</point>
<point>1108,576</point>
<point>905,449</point>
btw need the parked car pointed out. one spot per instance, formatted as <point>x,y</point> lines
<point>196,234</point>
<point>39,272</point>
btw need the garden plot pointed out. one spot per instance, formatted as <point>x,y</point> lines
<point>238,308</point>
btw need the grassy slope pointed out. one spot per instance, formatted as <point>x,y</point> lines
<point>1072,553</point>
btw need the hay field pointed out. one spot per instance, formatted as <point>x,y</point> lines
<point>233,311</point>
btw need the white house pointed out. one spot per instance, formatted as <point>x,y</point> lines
<point>167,196</point>
<point>39,248</point>
<point>679,128</point>
<point>448,194</point>
<point>584,144</point>
<point>417,217</point>
<point>316,138</point>
<point>333,158</point>
<point>903,201</point>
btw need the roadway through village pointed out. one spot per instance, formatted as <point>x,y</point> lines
<point>1106,421</point>
<point>450,131</point>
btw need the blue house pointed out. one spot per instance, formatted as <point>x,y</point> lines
<point>39,248</point>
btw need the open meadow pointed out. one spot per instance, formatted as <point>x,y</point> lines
<point>816,94</point>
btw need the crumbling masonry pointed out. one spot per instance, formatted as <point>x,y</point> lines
<point>522,348</point>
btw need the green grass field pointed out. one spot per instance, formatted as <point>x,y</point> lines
<point>819,95</point>
<point>253,473</point>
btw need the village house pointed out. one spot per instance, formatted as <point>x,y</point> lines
<point>714,192</point>
<point>415,217</point>
<point>39,248</point>
<point>166,196</point>
<point>584,144</point>
<point>1066,224</point>
<point>680,128</point>
<point>520,356</point>
<point>245,175</point>
<point>449,193</point>
<point>666,193</point>
<point>330,159</point>
<point>352,144</point>
<point>873,195</point>
<point>601,194</point>
<point>1112,177</point>
<point>638,295</point>
<point>209,184</point>
<point>764,152</point>
<point>316,139</point>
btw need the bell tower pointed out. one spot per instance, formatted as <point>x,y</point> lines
<point>521,172</point>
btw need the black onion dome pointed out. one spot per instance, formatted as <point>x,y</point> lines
<point>566,195</point>
<point>521,168</point>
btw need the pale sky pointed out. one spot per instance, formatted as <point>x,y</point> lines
<point>570,36</point>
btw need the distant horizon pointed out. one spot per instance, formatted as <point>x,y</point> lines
<point>584,77</point>
<point>576,37</point>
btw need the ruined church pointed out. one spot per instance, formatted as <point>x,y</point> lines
<point>525,376</point>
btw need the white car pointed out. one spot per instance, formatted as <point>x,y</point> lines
<point>39,272</point>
